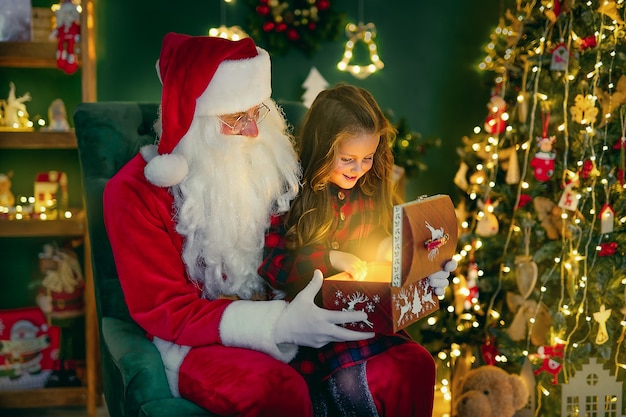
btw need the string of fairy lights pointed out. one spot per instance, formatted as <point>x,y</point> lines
<point>572,267</point>
<point>234,33</point>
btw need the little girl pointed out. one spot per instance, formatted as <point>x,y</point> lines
<point>341,219</point>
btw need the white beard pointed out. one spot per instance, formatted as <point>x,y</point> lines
<point>223,206</point>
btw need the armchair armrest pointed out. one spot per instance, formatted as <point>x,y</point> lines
<point>141,369</point>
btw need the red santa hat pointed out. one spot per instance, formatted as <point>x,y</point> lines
<point>203,75</point>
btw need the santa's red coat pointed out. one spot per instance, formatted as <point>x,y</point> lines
<point>160,296</point>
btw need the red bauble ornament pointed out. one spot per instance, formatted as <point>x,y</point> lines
<point>268,26</point>
<point>281,27</point>
<point>489,350</point>
<point>263,10</point>
<point>312,26</point>
<point>293,35</point>
<point>523,200</point>
<point>323,4</point>
<point>607,249</point>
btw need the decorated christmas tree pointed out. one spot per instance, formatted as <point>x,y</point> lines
<point>541,284</point>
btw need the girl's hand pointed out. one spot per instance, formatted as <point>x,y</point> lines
<point>344,261</point>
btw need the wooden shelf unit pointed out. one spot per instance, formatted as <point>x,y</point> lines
<point>87,395</point>
<point>44,397</point>
<point>43,55</point>
<point>37,140</point>
<point>28,54</point>
<point>75,226</point>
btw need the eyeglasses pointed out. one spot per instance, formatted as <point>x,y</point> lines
<point>239,121</point>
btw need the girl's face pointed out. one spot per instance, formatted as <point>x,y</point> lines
<point>354,158</point>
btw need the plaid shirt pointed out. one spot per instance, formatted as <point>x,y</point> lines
<point>355,230</point>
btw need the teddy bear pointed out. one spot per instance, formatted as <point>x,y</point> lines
<point>490,391</point>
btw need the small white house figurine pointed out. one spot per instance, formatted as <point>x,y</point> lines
<point>592,386</point>
<point>50,194</point>
<point>607,219</point>
<point>560,58</point>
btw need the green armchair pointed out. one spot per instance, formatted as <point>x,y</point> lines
<point>133,378</point>
<point>134,383</point>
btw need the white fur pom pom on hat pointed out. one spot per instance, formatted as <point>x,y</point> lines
<point>163,170</point>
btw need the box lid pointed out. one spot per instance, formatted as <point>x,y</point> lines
<point>424,238</point>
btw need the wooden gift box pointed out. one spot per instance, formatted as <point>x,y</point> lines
<point>396,294</point>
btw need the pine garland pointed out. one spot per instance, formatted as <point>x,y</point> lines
<point>278,25</point>
<point>410,148</point>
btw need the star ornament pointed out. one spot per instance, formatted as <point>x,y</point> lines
<point>366,34</point>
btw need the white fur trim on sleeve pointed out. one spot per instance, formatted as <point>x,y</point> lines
<point>172,356</point>
<point>251,324</point>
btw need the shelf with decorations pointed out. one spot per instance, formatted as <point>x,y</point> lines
<point>30,149</point>
<point>37,140</point>
<point>71,223</point>
<point>28,54</point>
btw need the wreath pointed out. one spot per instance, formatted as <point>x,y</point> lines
<point>281,24</point>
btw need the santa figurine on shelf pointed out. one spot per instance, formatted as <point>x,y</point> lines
<point>67,34</point>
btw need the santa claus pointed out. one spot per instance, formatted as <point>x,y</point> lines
<point>186,219</point>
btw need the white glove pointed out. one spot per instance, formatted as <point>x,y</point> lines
<point>305,324</point>
<point>439,280</point>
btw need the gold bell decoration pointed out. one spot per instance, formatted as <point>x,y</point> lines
<point>365,33</point>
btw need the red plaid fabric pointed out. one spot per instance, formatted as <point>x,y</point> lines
<point>355,230</point>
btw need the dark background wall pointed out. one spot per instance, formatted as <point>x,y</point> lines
<point>430,49</point>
